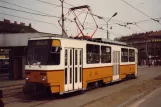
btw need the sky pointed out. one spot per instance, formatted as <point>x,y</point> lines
<point>105,8</point>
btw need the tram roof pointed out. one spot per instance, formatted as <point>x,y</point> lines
<point>98,40</point>
<point>20,39</point>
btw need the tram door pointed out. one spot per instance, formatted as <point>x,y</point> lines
<point>73,69</point>
<point>78,58</point>
<point>116,65</point>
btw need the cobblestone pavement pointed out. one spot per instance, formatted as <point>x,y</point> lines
<point>151,99</point>
<point>119,97</point>
<point>77,100</point>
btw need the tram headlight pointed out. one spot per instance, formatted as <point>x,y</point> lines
<point>43,78</point>
<point>27,77</point>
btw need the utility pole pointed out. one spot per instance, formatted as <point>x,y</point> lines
<point>107,32</point>
<point>107,22</point>
<point>62,2</point>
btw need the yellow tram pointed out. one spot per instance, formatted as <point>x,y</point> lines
<point>63,65</point>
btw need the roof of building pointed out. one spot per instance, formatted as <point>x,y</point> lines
<point>157,33</point>
<point>7,27</point>
<point>140,35</point>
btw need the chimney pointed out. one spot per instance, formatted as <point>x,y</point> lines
<point>7,21</point>
<point>23,24</point>
<point>15,22</point>
<point>29,24</point>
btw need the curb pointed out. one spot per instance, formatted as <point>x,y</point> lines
<point>125,104</point>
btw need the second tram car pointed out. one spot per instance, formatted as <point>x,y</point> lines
<point>64,65</point>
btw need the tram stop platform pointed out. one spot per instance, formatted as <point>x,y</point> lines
<point>9,84</point>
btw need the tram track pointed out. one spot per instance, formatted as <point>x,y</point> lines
<point>9,91</point>
<point>81,99</point>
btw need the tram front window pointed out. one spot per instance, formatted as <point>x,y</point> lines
<point>38,52</point>
<point>41,52</point>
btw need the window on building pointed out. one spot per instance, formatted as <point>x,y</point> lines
<point>131,55</point>
<point>124,55</point>
<point>93,53</point>
<point>105,54</point>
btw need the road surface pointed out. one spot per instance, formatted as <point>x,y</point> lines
<point>76,100</point>
<point>151,100</point>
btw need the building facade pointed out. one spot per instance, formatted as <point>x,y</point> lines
<point>148,44</point>
<point>7,27</point>
<point>12,57</point>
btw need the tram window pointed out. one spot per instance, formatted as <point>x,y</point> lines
<point>70,57</point>
<point>80,74</point>
<point>131,55</point>
<point>105,54</point>
<point>66,57</point>
<point>70,75</point>
<point>124,55</point>
<point>65,75</point>
<point>76,57</point>
<point>80,57</point>
<point>76,75</point>
<point>93,54</point>
<point>54,57</point>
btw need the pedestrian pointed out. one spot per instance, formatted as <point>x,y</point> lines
<point>149,62</point>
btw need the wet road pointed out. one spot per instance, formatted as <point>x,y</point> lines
<point>76,100</point>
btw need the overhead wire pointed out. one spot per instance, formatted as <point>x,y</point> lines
<point>44,14</point>
<point>49,3</point>
<point>74,6</point>
<point>108,18</point>
<point>48,15</point>
<point>142,12</point>
<point>28,12</point>
<point>146,20</point>
<point>30,19</point>
<point>102,30</point>
<point>92,13</point>
<point>96,15</point>
<point>140,27</point>
<point>26,8</point>
<point>52,4</point>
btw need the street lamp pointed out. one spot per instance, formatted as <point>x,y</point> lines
<point>107,22</point>
<point>62,2</point>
